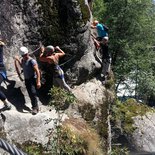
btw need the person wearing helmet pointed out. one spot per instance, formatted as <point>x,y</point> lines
<point>101,29</point>
<point>31,76</point>
<point>3,77</point>
<point>51,57</point>
<point>106,57</point>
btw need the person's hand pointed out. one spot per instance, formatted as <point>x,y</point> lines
<point>42,49</point>
<point>38,85</point>
<point>16,57</point>
<point>57,47</point>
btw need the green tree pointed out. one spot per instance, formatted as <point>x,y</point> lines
<point>98,10</point>
<point>132,29</point>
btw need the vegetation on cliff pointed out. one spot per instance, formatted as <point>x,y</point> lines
<point>131,40</point>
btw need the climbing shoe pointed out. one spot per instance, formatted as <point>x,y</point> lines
<point>35,111</point>
<point>7,107</point>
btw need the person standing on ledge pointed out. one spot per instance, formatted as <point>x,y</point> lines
<point>51,57</point>
<point>3,77</point>
<point>31,76</point>
<point>106,58</point>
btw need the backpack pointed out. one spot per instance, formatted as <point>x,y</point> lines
<point>105,27</point>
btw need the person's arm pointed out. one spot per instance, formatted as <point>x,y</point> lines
<point>18,59</point>
<point>92,26</point>
<point>60,51</point>
<point>97,44</point>
<point>17,62</point>
<point>42,51</point>
<point>36,69</point>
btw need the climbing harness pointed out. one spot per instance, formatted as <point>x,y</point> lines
<point>10,148</point>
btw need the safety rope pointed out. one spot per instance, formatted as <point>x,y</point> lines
<point>40,45</point>
<point>10,148</point>
<point>67,60</point>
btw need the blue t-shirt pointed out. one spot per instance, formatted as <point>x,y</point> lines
<point>28,68</point>
<point>101,31</point>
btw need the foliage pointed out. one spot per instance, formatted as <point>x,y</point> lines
<point>122,113</point>
<point>65,142</point>
<point>61,98</point>
<point>85,11</point>
<point>33,148</point>
<point>98,10</point>
<point>132,29</point>
<point>61,139</point>
<point>72,137</point>
<point>119,151</point>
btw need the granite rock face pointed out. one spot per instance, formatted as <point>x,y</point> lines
<point>143,138</point>
<point>65,23</point>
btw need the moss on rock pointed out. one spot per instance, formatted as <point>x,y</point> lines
<point>85,11</point>
<point>123,114</point>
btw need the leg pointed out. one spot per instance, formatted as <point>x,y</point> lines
<point>103,72</point>
<point>107,67</point>
<point>62,84</point>
<point>3,97</point>
<point>31,89</point>
<point>60,80</point>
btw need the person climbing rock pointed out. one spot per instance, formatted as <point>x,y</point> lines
<point>7,105</point>
<point>51,56</point>
<point>31,76</point>
<point>106,57</point>
<point>102,30</point>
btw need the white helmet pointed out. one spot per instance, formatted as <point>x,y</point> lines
<point>49,48</point>
<point>23,50</point>
<point>106,38</point>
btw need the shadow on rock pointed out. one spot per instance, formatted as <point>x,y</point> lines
<point>15,96</point>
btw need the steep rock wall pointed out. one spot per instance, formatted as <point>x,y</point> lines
<point>58,22</point>
<point>65,23</point>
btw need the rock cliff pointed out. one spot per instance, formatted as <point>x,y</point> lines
<point>67,24</point>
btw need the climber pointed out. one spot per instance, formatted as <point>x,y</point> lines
<point>51,56</point>
<point>106,58</point>
<point>31,76</point>
<point>3,77</point>
<point>102,30</point>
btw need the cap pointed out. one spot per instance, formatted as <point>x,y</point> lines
<point>49,48</point>
<point>23,50</point>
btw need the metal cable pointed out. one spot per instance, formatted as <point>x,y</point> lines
<point>10,148</point>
